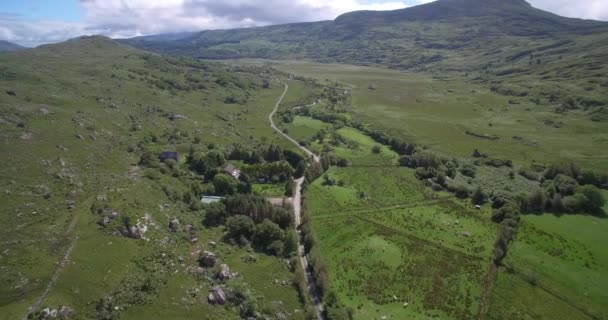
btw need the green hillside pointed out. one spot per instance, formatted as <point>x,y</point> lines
<point>9,46</point>
<point>510,46</point>
<point>82,124</point>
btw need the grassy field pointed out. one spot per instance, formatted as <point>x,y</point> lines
<point>438,113</point>
<point>563,257</point>
<point>400,254</point>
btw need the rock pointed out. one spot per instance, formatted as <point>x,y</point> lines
<point>79,136</point>
<point>188,227</point>
<point>113,106</point>
<point>65,312</point>
<point>62,148</point>
<point>199,271</point>
<point>193,240</point>
<point>104,222</point>
<point>113,215</point>
<point>174,225</point>
<point>208,259</point>
<point>132,232</point>
<point>212,243</point>
<point>225,273</point>
<point>217,295</point>
<point>26,136</point>
<point>467,234</point>
<point>44,111</point>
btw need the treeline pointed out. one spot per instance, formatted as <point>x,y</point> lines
<point>253,220</point>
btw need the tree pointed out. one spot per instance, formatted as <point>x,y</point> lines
<point>595,198</point>
<point>479,197</point>
<point>225,184</point>
<point>266,233</point>
<point>215,214</point>
<point>274,153</point>
<point>300,169</point>
<point>537,200</point>
<point>240,225</point>
<point>290,246</point>
<point>289,188</point>
<point>468,170</point>
<point>566,185</point>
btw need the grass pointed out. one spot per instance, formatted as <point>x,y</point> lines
<point>304,128</point>
<point>437,113</point>
<point>269,190</point>
<point>394,248</point>
<point>61,135</point>
<point>567,256</point>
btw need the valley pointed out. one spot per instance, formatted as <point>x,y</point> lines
<point>444,161</point>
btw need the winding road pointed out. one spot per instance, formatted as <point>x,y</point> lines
<point>297,209</point>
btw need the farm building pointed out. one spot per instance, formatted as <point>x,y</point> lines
<point>168,155</point>
<point>232,170</point>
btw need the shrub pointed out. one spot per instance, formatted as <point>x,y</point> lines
<point>594,198</point>
<point>479,197</point>
<point>537,200</point>
<point>468,170</point>
<point>528,174</point>
<point>376,149</point>
<point>566,185</point>
<point>240,225</point>
<point>266,233</point>
<point>225,184</point>
<point>425,173</point>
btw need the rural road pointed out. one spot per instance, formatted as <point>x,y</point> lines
<point>275,128</point>
<point>297,209</point>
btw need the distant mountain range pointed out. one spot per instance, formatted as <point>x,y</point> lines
<point>517,49</point>
<point>9,46</point>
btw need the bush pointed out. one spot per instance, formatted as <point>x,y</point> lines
<point>215,214</point>
<point>529,174</point>
<point>266,233</point>
<point>376,149</point>
<point>479,197</point>
<point>468,170</point>
<point>425,173</point>
<point>225,184</point>
<point>566,185</point>
<point>536,201</point>
<point>240,225</point>
<point>594,199</point>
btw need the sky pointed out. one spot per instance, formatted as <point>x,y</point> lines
<point>34,22</point>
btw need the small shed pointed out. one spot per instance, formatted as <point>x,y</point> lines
<point>232,170</point>
<point>168,155</point>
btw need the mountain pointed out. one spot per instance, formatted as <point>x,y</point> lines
<point>9,46</point>
<point>507,44</point>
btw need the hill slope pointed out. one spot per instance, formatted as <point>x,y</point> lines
<point>9,46</point>
<point>515,48</point>
<point>75,120</point>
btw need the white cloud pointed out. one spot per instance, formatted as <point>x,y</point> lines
<point>128,18</point>
<point>586,9</point>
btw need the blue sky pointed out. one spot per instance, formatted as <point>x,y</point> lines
<point>35,22</point>
<point>61,10</point>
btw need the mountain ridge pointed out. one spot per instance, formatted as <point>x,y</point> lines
<point>506,44</point>
<point>9,46</point>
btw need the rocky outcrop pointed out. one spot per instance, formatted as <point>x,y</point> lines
<point>217,295</point>
<point>225,274</point>
<point>208,259</point>
<point>174,225</point>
